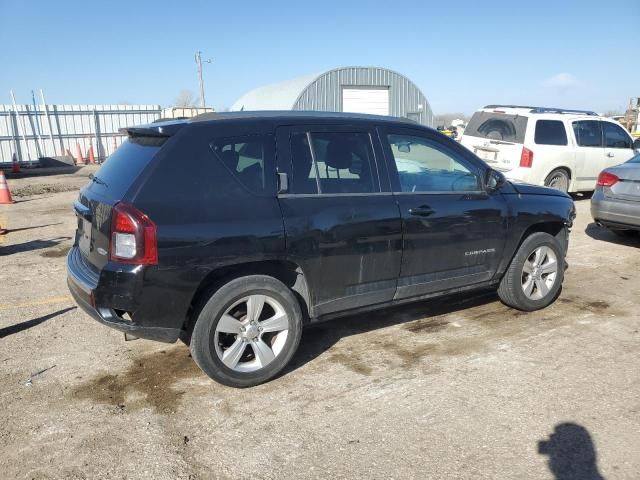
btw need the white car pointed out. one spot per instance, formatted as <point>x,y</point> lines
<point>563,149</point>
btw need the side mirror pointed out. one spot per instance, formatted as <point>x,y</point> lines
<point>636,145</point>
<point>494,180</point>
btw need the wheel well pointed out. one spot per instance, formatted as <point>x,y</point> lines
<point>566,169</point>
<point>557,229</point>
<point>287,272</point>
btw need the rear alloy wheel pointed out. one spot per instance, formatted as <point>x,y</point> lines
<point>558,179</point>
<point>534,277</point>
<point>247,331</point>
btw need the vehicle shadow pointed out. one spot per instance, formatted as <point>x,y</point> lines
<point>603,234</point>
<point>571,452</point>
<point>320,337</point>
<point>13,230</point>
<point>580,196</point>
<point>30,246</point>
<point>6,331</point>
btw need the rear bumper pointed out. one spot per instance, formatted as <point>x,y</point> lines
<point>83,285</point>
<point>615,213</point>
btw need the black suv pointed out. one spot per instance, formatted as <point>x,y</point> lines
<point>231,231</point>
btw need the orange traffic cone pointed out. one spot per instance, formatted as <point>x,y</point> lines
<point>5,194</point>
<point>15,166</point>
<point>79,158</point>
<point>90,157</point>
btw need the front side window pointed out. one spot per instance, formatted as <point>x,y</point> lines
<point>245,158</point>
<point>425,166</point>
<point>332,162</point>
<point>588,133</point>
<point>550,132</point>
<point>615,136</point>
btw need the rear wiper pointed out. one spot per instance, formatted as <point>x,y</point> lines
<point>93,178</point>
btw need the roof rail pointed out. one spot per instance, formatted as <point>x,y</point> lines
<point>545,109</point>
<point>561,110</point>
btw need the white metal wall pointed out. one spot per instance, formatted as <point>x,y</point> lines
<point>31,133</point>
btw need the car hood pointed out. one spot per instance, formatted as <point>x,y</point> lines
<point>528,189</point>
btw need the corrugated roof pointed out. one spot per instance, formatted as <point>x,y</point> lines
<point>277,96</point>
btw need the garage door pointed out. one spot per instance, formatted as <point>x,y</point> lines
<point>366,100</point>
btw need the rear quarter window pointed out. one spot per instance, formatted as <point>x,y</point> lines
<point>550,132</point>
<point>249,159</point>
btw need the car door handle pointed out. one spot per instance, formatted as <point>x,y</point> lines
<point>611,155</point>
<point>422,211</point>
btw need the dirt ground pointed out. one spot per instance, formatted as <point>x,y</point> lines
<point>463,388</point>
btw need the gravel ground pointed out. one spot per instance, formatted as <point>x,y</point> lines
<point>462,388</point>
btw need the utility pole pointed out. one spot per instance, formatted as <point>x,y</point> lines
<point>199,63</point>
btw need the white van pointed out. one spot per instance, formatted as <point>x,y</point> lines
<point>563,149</point>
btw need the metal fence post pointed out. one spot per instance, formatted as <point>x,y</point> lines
<point>96,123</point>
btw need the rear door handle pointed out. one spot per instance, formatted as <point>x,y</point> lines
<point>422,211</point>
<point>611,155</point>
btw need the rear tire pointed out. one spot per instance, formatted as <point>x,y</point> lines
<point>247,331</point>
<point>534,277</point>
<point>558,179</point>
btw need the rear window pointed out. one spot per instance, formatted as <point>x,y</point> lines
<point>550,132</point>
<point>123,166</point>
<point>497,126</point>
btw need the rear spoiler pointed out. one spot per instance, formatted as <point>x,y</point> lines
<point>157,131</point>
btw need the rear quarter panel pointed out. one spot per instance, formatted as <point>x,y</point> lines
<point>205,219</point>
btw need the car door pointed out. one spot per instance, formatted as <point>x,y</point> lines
<point>453,230</point>
<point>341,221</point>
<point>589,153</point>
<point>618,144</point>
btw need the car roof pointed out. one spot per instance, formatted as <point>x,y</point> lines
<point>533,110</point>
<point>283,116</point>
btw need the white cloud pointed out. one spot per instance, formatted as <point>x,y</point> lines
<point>561,82</point>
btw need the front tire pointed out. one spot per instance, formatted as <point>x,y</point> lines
<point>534,277</point>
<point>247,331</point>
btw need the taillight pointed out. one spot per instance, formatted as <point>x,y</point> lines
<point>133,236</point>
<point>606,179</point>
<point>526,158</point>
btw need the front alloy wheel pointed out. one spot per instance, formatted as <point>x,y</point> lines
<point>539,273</point>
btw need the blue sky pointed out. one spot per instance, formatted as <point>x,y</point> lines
<point>462,54</point>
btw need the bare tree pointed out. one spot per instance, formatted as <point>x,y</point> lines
<point>445,119</point>
<point>184,99</point>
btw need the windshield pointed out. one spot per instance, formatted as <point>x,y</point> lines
<point>497,126</point>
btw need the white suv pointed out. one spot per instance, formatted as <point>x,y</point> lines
<point>563,149</point>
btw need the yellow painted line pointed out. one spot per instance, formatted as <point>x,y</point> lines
<point>33,303</point>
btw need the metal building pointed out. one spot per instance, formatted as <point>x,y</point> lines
<point>373,90</point>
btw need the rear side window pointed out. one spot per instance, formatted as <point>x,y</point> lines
<point>497,126</point>
<point>588,133</point>
<point>124,165</point>
<point>245,158</point>
<point>615,136</point>
<point>332,162</point>
<point>550,132</point>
